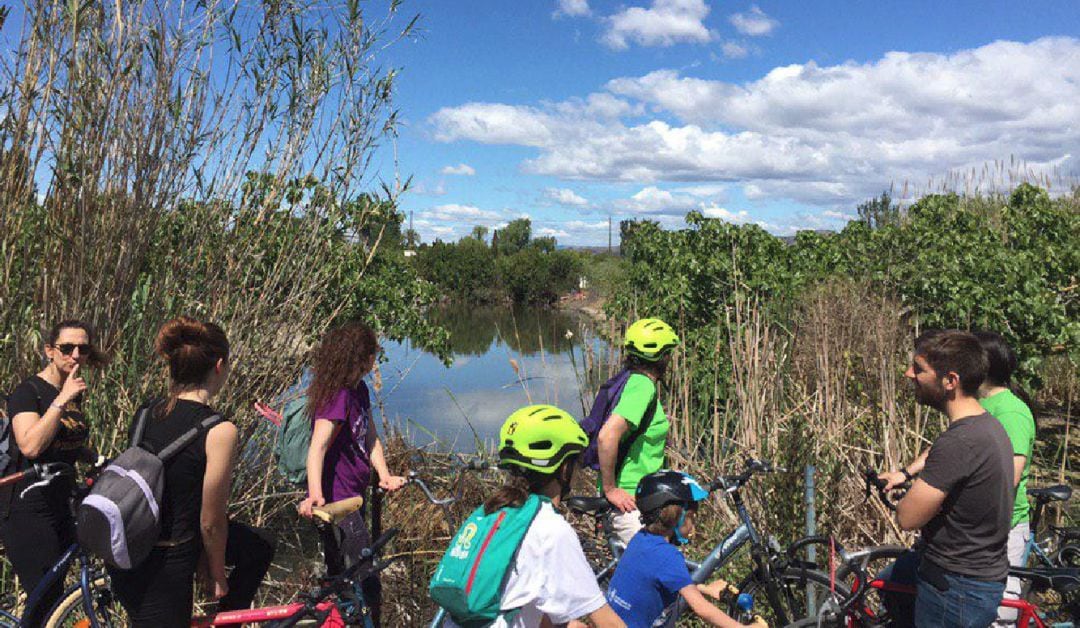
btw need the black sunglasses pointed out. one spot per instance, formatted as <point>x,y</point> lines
<point>68,347</point>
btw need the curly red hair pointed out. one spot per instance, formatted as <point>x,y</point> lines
<point>341,360</point>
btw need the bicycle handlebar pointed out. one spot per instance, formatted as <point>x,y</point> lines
<point>730,483</point>
<point>890,497</point>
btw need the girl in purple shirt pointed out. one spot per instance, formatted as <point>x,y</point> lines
<point>344,446</point>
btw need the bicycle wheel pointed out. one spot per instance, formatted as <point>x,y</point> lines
<point>69,612</point>
<point>872,561</point>
<point>1067,556</point>
<point>789,594</point>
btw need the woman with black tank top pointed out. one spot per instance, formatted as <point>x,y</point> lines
<point>47,425</point>
<point>160,590</point>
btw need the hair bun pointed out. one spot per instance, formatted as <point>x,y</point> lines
<point>178,333</point>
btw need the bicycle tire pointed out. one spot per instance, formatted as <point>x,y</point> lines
<point>1067,556</point>
<point>819,622</point>
<point>873,561</point>
<point>69,610</point>
<point>791,590</point>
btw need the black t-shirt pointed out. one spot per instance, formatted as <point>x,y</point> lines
<point>182,500</point>
<point>972,463</point>
<point>35,395</point>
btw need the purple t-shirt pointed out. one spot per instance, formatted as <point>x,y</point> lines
<point>347,467</point>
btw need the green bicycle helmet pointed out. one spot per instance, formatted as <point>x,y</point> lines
<point>539,438</point>
<point>650,338</point>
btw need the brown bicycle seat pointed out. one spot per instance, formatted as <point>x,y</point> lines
<point>589,505</point>
<point>1058,492</point>
<point>334,512</point>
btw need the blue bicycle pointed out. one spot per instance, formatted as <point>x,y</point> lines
<point>89,602</point>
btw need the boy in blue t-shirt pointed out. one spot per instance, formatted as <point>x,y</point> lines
<point>652,572</point>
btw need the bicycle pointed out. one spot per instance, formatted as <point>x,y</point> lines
<point>1060,547</point>
<point>90,601</point>
<point>860,609</point>
<point>788,585</point>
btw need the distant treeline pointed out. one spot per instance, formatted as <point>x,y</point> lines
<point>512,266</point>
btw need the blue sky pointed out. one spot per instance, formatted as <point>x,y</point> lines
<point>782,114</point>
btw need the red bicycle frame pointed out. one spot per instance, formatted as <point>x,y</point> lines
<point>269,613</point>
<point>1028,612</point>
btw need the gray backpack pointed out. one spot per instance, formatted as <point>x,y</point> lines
<point>120,520</point>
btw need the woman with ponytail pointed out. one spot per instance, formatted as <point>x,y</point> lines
<point>160,590</point>
<point>47,425</point>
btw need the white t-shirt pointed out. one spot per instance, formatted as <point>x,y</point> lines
<point>550,576</point>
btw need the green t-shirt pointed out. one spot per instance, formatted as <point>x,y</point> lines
<point>646,454</point>
<point>1019,424</point>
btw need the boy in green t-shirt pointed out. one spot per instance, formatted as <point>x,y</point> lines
<point>648,345</point>
<point>1019,424</point>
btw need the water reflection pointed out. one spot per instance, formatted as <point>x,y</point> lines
<point>503,359</point>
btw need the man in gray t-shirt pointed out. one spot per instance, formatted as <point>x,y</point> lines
<point>962,498</point>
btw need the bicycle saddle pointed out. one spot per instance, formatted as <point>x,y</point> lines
<point>1067,534</point>
<point>1060,579</point>
<point>1058,492</point>
<point>334,512</point>
<point>589,505</point>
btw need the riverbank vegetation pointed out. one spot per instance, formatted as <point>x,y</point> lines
<point>513,267</point>
<point>218,167</point>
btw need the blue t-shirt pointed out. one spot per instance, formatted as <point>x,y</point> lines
<point>648,579</point>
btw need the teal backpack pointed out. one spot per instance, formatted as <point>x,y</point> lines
<point>293,440</point>
<point>472,574</point>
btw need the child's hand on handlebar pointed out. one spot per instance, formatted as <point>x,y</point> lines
<point>391,483</point>
<point>759,622</point>
<point>718,589</point>
<point>305,506</point>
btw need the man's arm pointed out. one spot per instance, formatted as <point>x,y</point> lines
<point>896,478</point>
<point>919,506</point>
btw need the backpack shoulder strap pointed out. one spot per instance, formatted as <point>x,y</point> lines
<point>639,431</point>
<point>142,418</point>
<point>187,437</point>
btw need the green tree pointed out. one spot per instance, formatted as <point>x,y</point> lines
<point>479,232</point>
<point>513,237</point>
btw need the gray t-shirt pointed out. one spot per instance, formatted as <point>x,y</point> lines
<point>971,462</point>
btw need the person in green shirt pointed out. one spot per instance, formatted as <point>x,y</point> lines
<point>631,443</point>
<point>1015,416</point>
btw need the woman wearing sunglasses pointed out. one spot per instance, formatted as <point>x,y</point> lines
<point>47,425</point>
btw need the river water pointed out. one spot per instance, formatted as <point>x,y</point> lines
<point>503,359</point>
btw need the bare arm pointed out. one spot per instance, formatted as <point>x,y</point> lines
<point>35,432</point>
<point>217,484</point>
<point>919,506</point>
<point>605,617</point>
<point>1018,469</point>
<point>324,433</point>
<point>387,481</point>
<point>705,609</point>
<point>607,449</point>
<point>896,478</point>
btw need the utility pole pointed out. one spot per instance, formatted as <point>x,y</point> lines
<point>609,234</point>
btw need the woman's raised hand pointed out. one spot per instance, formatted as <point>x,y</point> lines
<point>73,385</point>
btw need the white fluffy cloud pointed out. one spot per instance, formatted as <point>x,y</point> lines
<point>463,170</point>
<point>676,202</point>
<point>821,135</point>
<point>754,22</point>
<point>734,50</point>
<point>664,23</point>
<point>458,213</point>
<point>564,196</point>
<point>571,8</point>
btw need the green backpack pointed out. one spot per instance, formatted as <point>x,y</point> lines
<point>472,574</point>
<point>293,440</point>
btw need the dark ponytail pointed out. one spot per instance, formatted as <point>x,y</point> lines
<point>191,348</point>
